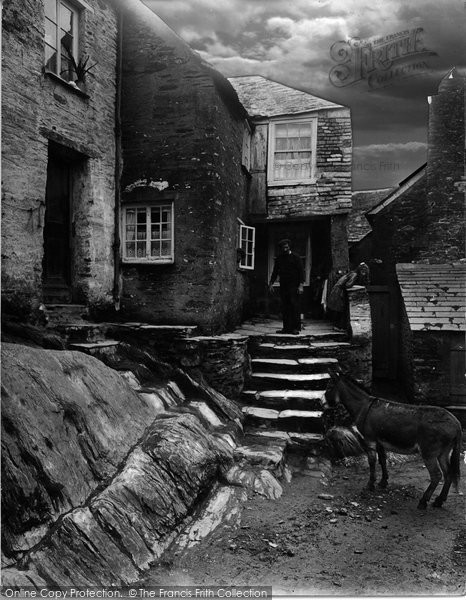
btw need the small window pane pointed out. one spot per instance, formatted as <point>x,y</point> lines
<point>166,248</point>
<point>50,8</point>
<point>66,43</point>
<point>50,59</point>
<point>155,249</point>
<point>130,233</point>
<point>66,19</point>
<point>130,216</point>
<point>141,249</point>
<point>130,250</point>
<point>50,33</point>
<point>66,71</point>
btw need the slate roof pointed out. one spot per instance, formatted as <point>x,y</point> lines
<point>263,97</point>
<point>362,201</point>
<point>434,296</point>
<point>403,187</point>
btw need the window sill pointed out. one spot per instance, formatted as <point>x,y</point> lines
<point>245,269</point>
<point>136,261</point>
<point>287,183</point>
<point>66,84</point>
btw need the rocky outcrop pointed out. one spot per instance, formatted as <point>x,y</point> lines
<point>67,423</point>
<point>97,478</point>
<point>121,530</point>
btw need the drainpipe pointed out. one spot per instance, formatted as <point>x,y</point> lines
<point>118,165</point>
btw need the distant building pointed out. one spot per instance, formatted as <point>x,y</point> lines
<point>419,236</point>
<point>300,183</point>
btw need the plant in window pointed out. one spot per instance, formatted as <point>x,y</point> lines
<point>80,67</point>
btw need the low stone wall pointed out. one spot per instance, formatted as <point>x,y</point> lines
<point>223,360</point>
<point>358,359</point>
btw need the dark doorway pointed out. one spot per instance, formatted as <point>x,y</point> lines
<point>384,331</point>
<point>57,230</point>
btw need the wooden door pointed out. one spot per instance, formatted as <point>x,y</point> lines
<point>57,238</point>
<point>384,330</point>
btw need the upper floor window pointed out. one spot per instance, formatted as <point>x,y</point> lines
<point>148,234</point>
<point>292,149</point>
<point>61,37</point>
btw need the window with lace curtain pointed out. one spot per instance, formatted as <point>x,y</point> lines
<point>292,149</point>
<point>148,234</point>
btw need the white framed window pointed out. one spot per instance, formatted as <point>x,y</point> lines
<point>148,233</point>
<point>61,37</point>
<point>292,151</point>
<point>247,244</point>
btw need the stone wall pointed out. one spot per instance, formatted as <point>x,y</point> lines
<point>358,359</point>
<point>38,108</point>
<point>398,233</point>
<point>183,129</point>
<point>445,233</point>
<point>223,360</point>
<point>432,367</point>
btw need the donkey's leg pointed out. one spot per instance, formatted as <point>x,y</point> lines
<point>372,457</point>
<point>383,464</point>
<point>444,463</point>
<point>435,476</point>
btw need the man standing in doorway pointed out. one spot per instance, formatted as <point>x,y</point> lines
<point>288,268</point>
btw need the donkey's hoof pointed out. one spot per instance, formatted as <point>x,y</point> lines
<point>422,505</point>
<point>437,503</point>
<point>383,484</point>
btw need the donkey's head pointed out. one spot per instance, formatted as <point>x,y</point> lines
<point>332,395</point>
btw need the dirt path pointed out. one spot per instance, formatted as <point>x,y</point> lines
<point>348,543</point>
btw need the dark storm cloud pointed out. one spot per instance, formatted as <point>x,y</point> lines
<point>290,41</point>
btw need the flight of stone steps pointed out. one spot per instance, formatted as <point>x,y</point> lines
<point>282,400</point>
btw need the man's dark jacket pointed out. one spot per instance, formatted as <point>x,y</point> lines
<point>289,268</point>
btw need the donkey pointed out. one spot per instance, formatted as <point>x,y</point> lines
<point>404,429</point>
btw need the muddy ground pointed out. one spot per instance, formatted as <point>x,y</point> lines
<point>348,542</point>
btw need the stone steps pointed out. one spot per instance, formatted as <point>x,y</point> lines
<point>305,338</point>
<point>285,381</point>
<point>293,366</point>
<point>284,399</point>
<point>305,421</point>
<point>290,351</point>
<point>62,314</point>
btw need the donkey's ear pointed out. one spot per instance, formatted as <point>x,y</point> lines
<point>334,372</point>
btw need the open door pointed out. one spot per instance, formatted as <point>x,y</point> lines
<point>57,232</point>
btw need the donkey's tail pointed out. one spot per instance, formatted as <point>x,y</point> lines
<point>455,461</point>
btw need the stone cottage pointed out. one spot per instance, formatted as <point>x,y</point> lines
<point>187,250</point>
<point>59,152</point>
<point>124,177</point>
<point>419,239</point>
<point>300,183</point>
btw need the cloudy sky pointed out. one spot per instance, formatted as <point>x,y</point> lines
<point>296,42</point>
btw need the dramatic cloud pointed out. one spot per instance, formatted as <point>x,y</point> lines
<point>290,40</point>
